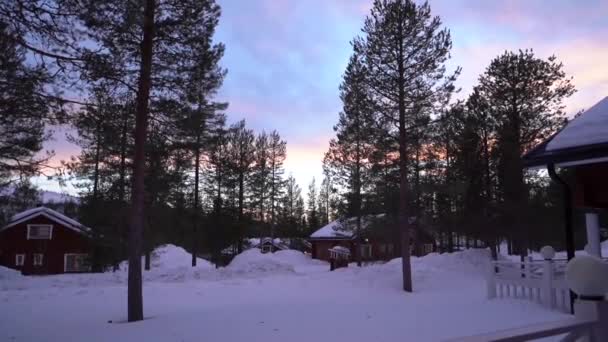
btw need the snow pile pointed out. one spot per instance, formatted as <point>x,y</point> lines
<point>171,256</point>
<point>470,261</point>
<point>254,262</point>
<point>295,258</point>
<point>7,273</point>
<point>172,263</point>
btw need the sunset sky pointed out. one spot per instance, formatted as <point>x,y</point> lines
<point>285,59</point>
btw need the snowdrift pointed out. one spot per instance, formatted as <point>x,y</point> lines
<point>171,256</point>
<point>253,261</point>
<point>7,273</point>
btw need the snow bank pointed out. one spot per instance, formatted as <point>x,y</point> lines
<point>172,263</point>
<point>171,256</point>
<point>253,261</point>
<point>7,273</point>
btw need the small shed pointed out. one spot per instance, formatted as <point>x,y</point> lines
<point>582,146</point>
<point>44,241</point>
<point>339,256</point>
<point>269,245</point>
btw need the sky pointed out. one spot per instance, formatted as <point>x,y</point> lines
<point>285,60</point>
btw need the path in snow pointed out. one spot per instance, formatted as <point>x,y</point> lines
<point>279,297</point>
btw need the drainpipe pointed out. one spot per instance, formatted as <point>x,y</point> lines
<point>567,209</point>
<point>568,218</point>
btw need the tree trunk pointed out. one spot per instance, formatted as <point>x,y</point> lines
<point>197,161</point>
<point>135,296</point>
<point>406,267</point>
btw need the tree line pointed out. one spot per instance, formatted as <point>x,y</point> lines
<point>405,147</point>
<point>138,82</point>
<point>158,163</point>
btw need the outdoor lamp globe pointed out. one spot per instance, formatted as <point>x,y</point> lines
<point>587,276</point>
<point>547,252</point>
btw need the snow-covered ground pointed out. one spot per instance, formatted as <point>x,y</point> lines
<point>284,296</point>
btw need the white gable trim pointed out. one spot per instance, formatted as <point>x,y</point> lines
<point>50,217</point>
<point>29,227</point>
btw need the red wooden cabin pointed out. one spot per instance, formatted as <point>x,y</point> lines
<point>44,241</point>
<point>372,246</point>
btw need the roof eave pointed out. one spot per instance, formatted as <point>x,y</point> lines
<point>580,155</point>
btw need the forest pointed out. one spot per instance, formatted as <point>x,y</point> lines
<point>137,82</point>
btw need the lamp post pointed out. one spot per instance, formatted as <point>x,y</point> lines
<point>587,276</point>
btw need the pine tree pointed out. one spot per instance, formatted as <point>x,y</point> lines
<point>147,47</point>
<point>260,178</point>
<point>325,200</point>
<point>277,150</point>
<point>241,158</point>
<point>292,209</point>
<point>311,207</point>
<point>23,112</point>
<point>524,95</point>
<point>405,50</point>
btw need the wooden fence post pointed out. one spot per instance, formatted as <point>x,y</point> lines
<point>491,279</point>
<point>547,289</point>
<point>596,310</point>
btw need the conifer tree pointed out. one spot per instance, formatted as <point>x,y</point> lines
<point>312,213</point>
<point>276,157</point>
<point>405,50</point>
<point>524,95</point>
<point>23,112</point>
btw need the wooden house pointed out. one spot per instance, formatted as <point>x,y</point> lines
<point>372,246</point>
<point>581,147</point>
<point>44,241</point>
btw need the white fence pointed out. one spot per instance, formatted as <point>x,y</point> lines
<point>541,281</point>
<point>544,281</point>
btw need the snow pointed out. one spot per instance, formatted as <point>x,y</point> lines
<point>50,212</point>
<point>284,296</point>
<point>7,273</point>
<point>332,229</point>
<point>587,129</point>
<point>56,197</point>
<point>340,249</point>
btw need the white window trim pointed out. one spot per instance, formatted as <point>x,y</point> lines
<point>17,260</point>
<point>368,248</point>
<point>29,226</point>
<point>41,259</point>
<point>65,261</point>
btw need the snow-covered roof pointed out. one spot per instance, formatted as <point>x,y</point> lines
<point>344,228</point>
<point>340,250</point>
<point>276,242</point>
<point>48,213</point>
<point>588,129</point>
<point>335,229</point>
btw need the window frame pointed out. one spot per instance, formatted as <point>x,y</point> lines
<point>65,263</point>
<point>368,248</point>
<point>17,256</point>
<point>30,226</point>
<point>37,262</point>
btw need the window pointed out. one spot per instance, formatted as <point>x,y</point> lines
<point>38,259</point>
<point>266,248</point>
<point>75,262</point>
<point>366,251</point>
<point>39,231</point>
<point>19,259</point>
<point>428,248</point>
